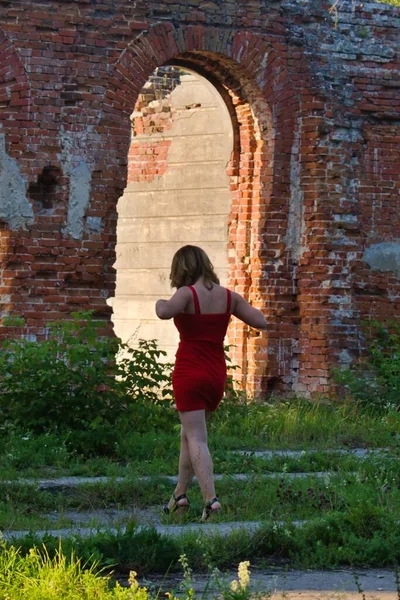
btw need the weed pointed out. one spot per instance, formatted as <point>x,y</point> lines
<point>358,585</point>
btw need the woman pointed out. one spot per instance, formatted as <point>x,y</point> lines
<point>201,310</point>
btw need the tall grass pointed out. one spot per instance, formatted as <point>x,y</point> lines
<point>37,576</point>
<point>302,424</point>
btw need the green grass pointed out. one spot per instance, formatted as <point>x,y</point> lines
<point>301,425</point>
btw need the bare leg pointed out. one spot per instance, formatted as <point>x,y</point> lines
<point>186,473</point>
<point>194,425</point>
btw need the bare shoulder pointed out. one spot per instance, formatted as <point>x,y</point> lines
<point>183,291</point>
<point>167,309</point>
<point>182,294</point>
<point>237,299</point>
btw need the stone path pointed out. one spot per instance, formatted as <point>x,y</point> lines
<point>71,482</point>
<point>66,482</point>
<point>173,530</point>
<point>357,452</point>
<point>302,585</point>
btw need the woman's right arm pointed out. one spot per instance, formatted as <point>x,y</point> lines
<point>247,313</point>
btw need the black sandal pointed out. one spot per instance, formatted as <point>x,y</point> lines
<point>173,505</point>
<point>208,510</point>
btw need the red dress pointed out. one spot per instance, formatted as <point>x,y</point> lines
<point>199,375</point>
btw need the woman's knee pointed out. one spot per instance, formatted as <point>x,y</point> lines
<point>194,425</point>
<point>196,436</point>
<point>184,439</point>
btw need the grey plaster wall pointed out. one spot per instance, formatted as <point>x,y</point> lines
<point>188,205</point>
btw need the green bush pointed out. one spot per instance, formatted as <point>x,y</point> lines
<point>71,383</point>
<point>374,381</point>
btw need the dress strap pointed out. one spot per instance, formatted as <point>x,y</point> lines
<point>196,300</point>
<point>228,300</point>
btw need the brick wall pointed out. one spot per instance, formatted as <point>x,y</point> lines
<point>314,101</point>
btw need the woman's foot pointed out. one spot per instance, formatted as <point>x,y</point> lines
<point>212,507</point>
<point>177,504</point>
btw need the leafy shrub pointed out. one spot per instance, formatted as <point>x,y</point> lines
<point>58,381</point>
<point>374,381</point>
<point>72,382</point>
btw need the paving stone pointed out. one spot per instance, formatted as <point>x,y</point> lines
<point>71,482</point>
<point>292,584</point>
<point>357,452</point>
<point>172,530</point>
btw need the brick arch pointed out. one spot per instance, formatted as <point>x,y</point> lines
<point>251,73</point>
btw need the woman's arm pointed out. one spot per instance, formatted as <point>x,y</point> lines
<point>167,309</point>
<point>247,313</point>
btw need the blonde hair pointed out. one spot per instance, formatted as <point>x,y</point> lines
<point>189,264</point>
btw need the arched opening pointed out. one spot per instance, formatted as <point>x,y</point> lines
<point>199,171</point>
<point>177,193</point>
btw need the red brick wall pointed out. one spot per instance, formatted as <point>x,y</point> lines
<point>314,178</point>
<point>153,114</point>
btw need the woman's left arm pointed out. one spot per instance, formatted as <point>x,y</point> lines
<point>167,309</point>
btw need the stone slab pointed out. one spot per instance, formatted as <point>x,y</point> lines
<point>357,452</point>
<point>70,482</point>
<point>178,230</point>
<point>291,584</point>
<point>172,530</point>
<point>173,203</point>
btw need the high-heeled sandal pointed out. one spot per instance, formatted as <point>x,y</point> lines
<point>174,506</point>
<point>208,509</point>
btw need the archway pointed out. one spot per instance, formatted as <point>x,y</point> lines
<point>263,107</point>
<point>177,193</point>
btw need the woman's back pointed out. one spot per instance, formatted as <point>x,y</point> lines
<point>195,325</point>
<point>211,301</point>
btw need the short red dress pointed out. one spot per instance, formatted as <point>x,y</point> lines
<point>199,375</point>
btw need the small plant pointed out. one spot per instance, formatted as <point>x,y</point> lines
<point>142,373</point>
<point>13,321</point>
<point>240,585</point>
<point>316,497</point>
<point>358,585</point>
